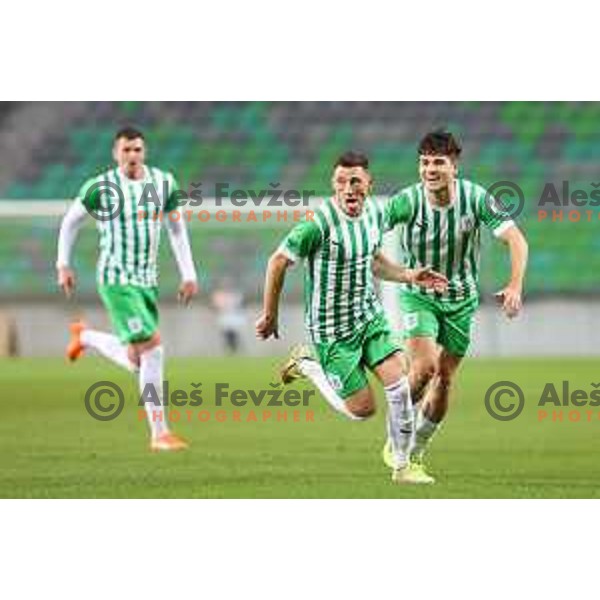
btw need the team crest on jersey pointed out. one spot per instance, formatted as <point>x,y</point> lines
<point>467,222</point>
<point>374,236</point>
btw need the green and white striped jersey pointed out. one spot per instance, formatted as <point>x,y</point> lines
<point>446,238</point>
<point>129,242</point>
<point>338,250</point>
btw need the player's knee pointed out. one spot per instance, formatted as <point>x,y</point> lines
<point>138,348</point>
<point>424,369</point>
<point>133,355</point>
<point>361,407</point>
<point>362,412</point>
<point>151,347</point>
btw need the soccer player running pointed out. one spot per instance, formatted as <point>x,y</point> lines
<point>341,248</point>
<point>127,273</point>
<point>442,217</point>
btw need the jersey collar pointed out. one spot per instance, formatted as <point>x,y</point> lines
<point>128,180</point>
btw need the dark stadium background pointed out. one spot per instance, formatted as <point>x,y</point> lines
<point>49,149</point>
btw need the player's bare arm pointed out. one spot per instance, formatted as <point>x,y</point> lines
<point>266,326</point>
<point>511,297</point>
<point>388,270</point>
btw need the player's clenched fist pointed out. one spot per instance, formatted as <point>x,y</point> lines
<point>266,326</point>
<point>428,278</point>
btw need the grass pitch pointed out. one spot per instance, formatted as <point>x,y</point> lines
<point>50,447</point>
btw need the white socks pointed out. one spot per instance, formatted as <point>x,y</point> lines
<point>151,381</point>
<point>108,346</point>
<point>424,431</point>
<point>399,420</point>
<point>150,373</point>
<point>313,370</point>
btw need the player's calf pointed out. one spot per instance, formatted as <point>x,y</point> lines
<point>400,413</point>
<point>422,371</point>
<point>424,354</point>
<point>151,359</point>
<point>435,404</point>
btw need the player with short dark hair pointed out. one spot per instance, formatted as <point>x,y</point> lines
<point>127,272</point>
<point>441,219</point>
<point>341,250</point>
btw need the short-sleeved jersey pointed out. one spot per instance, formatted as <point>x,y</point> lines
<point>129,242</point>
<point>338,250</point>
<point>446,238</point>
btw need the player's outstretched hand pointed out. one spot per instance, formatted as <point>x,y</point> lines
<point>427,277</point>
<point>187,290</point>
<point>511,301</point>
<point>266,326</point>
<point>66,280</point>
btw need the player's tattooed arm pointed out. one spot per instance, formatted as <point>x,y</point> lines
<point>511,297</point>
<point>267,323</point>
<point>386,269</point>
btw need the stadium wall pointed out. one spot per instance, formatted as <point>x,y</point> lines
<point>555,327</point>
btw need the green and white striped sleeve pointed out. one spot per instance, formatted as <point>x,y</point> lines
<point>302,241</point>
<point>397,210</point>
<point>90,192</point>
<point>491,212</point>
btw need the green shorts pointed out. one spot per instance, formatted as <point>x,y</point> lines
<point>133,311</point>
<point>448,323</point>
<point>345,361</point>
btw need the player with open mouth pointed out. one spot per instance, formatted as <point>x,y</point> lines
<point>341,250</point>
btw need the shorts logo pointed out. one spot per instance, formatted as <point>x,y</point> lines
<point>411,320</point>
<point>135,325</point>
<point>335,381</point>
